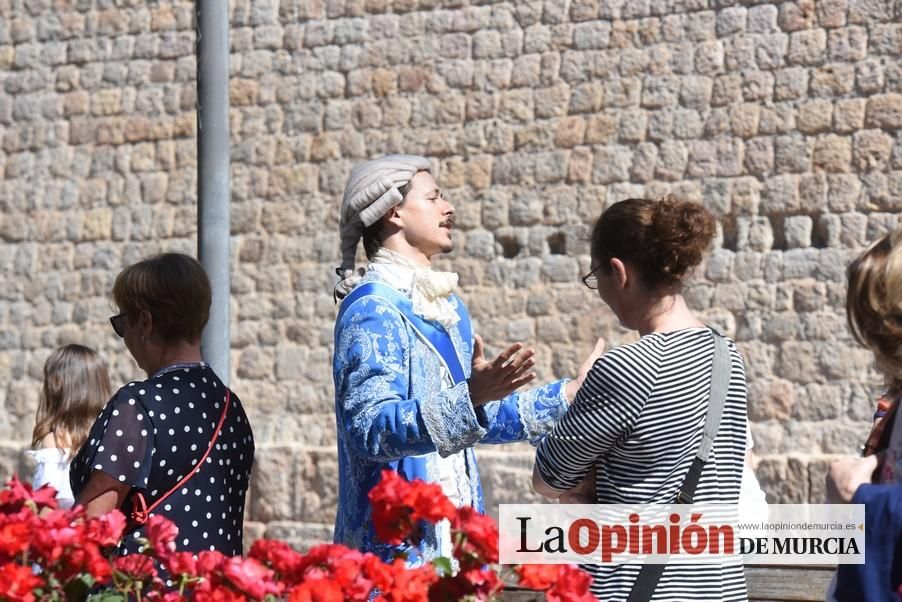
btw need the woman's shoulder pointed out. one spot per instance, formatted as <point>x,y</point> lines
<point>626,368</point>
<point>644,351</point>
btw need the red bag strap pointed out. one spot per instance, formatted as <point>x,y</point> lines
<point>140,511</point>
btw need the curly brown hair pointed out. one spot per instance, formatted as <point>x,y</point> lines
<point>662,239</point>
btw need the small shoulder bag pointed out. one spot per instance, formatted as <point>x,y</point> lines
<point>140,510</point>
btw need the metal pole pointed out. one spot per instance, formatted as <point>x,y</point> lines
<point>213,228</point>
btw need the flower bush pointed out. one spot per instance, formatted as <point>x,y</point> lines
<point>52,554</point>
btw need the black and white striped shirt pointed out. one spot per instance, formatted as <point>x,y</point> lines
<point>638,420</point>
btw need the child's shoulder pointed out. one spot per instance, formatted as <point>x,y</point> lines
<point>49,441</point>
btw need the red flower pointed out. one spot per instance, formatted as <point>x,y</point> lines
<point>218,594</point>
<point>483,581</point>
<point>276,554</point>
<point>96,564</point>
<point>161,533</point>
<point>481,543</point>
<point>250,577</point>
<point>136,566</point>
<point>181,563</point>
<point>316,590</point>
<point>479,584</point>
<point>14,537</point>
<point>391,516</point>
<point>428,502</point>
<point>538,576</point>
<point>17,494</point>
<point>209,562</point>
<point>378,572</point>
<point>18,582</point>
<point>398,505</point>
<point>410,584</point>
<point>106,530</point>
<point>572,585</point>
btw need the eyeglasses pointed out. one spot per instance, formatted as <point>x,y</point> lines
<point>591,279</point>
<point>118,324</point>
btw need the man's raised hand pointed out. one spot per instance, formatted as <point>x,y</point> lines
<point>498,378</point>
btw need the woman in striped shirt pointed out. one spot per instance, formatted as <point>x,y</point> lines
<point>637,421</point>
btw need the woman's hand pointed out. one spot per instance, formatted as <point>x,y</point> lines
<point>498,378</point>
<point>846,475</point>
<point>573,386</point>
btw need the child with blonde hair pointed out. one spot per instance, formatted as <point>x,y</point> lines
<point>76,387</point>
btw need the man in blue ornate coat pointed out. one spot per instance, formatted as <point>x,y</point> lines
<point>413,392</point>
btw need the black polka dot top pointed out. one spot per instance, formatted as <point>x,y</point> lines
<point>154,432</point>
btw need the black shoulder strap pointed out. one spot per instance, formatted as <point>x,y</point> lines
<point>650,574</point>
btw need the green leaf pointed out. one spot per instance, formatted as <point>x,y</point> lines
<point>442,565</point>
<point>78,588</point>
<point>107,596</point>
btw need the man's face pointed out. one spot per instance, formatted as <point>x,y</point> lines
<point>426,218</point>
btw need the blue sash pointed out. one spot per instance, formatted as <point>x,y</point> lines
<point>433,334</point>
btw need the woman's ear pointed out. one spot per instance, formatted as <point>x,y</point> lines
<point>620,272</point>
<point>145,323</point>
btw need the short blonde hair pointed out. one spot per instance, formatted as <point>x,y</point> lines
<point>76,387</point>
<point>874,305</point>
<point>173,288</point>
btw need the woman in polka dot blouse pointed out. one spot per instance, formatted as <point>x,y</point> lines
<point>153,433</point>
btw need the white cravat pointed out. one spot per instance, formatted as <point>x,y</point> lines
<point>429,289</point>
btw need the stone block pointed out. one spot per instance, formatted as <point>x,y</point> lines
<point>848,115</point>
<point>785,481</point>
<point>832,153</point>
<point>869,76</point>
<point>762,19</point>
<point>754,233</point>
<point>790,83</point>
<point>551,102</point>
<point>792,154</point>
<point>601,129</point>
<point>611,164</point>
<point>731,20</point>
<point>759,155</point>
<point>807,47</point>
<point>797,231</point>
<point>797,15</point>
<point>709,57</point>
<point>570,132</point>
<point>831,13</point>
<point>871,150</point>
<point>884,111</point>
<point>780,194</point>
<point>317,496</point>
<point>815,117</point>
<point>774,399</point>
<point>586,98</point>
<point>834,79</point>
<point>592,35</point>
<point>844,192</point>
<point>757,86</point>
<point>579,166</point>
<point>272,489</point>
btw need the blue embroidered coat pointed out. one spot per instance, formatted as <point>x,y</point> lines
<point>393,411</point>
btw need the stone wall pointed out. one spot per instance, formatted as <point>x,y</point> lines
<point>783,119</point>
